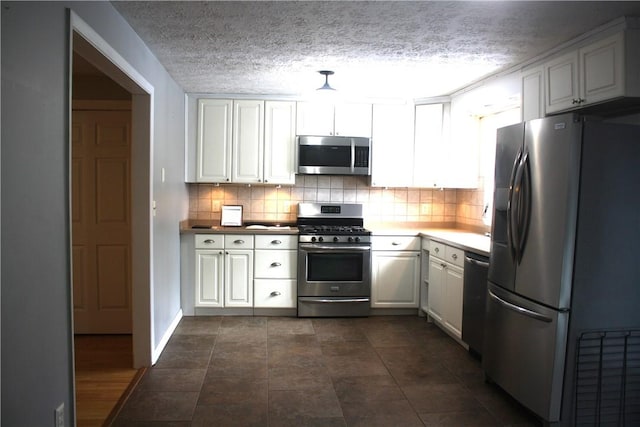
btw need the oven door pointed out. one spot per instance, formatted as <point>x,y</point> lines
<point>326,270</point>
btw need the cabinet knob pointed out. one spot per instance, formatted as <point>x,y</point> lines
<point>220,253</point>
<point>275,294</point>
<point>275,264</point>
<point>209,241</point>
<point>436,250</point>
<point>454,256</point>
<point>443,265</point>
<point>395,243</point>
<point>276,242</point>
<point>238,242</point>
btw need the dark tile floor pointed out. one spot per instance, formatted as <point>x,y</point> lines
<point>277,371</point>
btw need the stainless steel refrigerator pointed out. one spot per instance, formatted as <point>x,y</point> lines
<point>563,298</point>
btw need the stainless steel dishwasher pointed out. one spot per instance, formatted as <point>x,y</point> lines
<point>476,268</point>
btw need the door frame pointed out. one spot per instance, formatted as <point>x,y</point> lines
<point>85,40</point>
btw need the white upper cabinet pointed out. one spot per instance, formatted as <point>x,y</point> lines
<point>430,152</point>
<point>242,141</point>
<point>327,119</point>
<point>392,145</point>
<point>353,120</point>
<point>280,142</point>
<point>601,71</point>
<point>213,143</point>
<point>532,94</point>
<point>248,141</point>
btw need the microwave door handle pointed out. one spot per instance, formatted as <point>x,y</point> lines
<point>353,155</point>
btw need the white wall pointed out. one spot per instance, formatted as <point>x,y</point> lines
<point>37,367</point>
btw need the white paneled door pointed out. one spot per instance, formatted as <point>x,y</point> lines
<point>101,221</point>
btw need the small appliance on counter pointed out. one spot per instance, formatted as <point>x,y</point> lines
<point>334,261</point>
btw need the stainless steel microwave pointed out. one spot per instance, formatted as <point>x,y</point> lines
<point>334,155</point>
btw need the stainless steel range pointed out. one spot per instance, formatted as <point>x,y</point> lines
<point>334,261</point>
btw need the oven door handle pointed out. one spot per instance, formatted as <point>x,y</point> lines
<point>325,248</point>
<point>337,300</point>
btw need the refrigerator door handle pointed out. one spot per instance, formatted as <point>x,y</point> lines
<point>511,208</point>
<point>521,310</point>
<point>521,195</point>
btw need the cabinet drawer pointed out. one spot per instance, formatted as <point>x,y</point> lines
<point>395,243</point>
<point>264,241</point>
<point>238,241</point>
<point>271,264</point>
<point>436,249</point>
<point>454,255</point>
<point>209,241</point>
<point>275,293</point>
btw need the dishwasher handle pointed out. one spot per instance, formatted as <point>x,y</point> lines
<point>477,262</point>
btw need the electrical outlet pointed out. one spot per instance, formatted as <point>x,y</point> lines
<point>60,415</point>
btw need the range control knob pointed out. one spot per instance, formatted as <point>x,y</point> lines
<point>335,239</point>
<point>313,239</point>
<point>357,239</point>
<point>320,239</point>
<point>350,239</point>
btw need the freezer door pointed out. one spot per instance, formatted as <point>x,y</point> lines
<point>544,209</point>
<point>524,349</point>
<point>509,146</point>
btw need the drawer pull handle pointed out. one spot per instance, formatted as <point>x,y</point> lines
<point>209,241</point>
<point>275,264</point>
<point>454,256</point>
<point>238,242</point>
<point>395,243</point>
<point>276,242</point>
<point>275,294</point>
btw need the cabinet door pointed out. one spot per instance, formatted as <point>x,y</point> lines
<point>532,95</point>
<point>436,284</point>
<point>429,152</point>
<point>353,120</point>
<point>392,146</point>
<point>213,143</point>
<point>561,83</point>
<point>602,69</point>
<point>279,142</point>
<point>314,118</point>
<point>452,308</point>
<point>248,141</point>
<point>209,278</point>
<point>238,283</point>
<point>396,279</point>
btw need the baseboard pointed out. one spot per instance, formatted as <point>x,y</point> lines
<point>155,355</point>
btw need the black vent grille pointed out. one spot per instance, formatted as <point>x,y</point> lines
<point>607,389</point>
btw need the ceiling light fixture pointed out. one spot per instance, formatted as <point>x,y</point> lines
<point>326,75</point>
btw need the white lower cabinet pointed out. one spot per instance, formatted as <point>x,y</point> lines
<point>224,270</point>
<point>209,278</point>
<point>276,258</point>
<point>238,278</point>
<point>395,272</point>
<point>446,284</point>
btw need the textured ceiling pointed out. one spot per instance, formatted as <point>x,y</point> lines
<point>378,49</point>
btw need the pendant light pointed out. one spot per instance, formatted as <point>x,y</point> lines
<point>326,75</point>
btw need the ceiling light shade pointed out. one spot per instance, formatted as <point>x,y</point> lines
<point>326,75</point>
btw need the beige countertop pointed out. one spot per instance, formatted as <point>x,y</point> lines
<point>463,239</point>
<point>213,227</point>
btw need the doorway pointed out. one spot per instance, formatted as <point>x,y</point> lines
<point>123,85</point>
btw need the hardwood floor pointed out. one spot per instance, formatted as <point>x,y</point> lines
<point>104,373</point>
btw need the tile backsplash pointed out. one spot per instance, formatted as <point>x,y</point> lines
<point>270,203</point>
